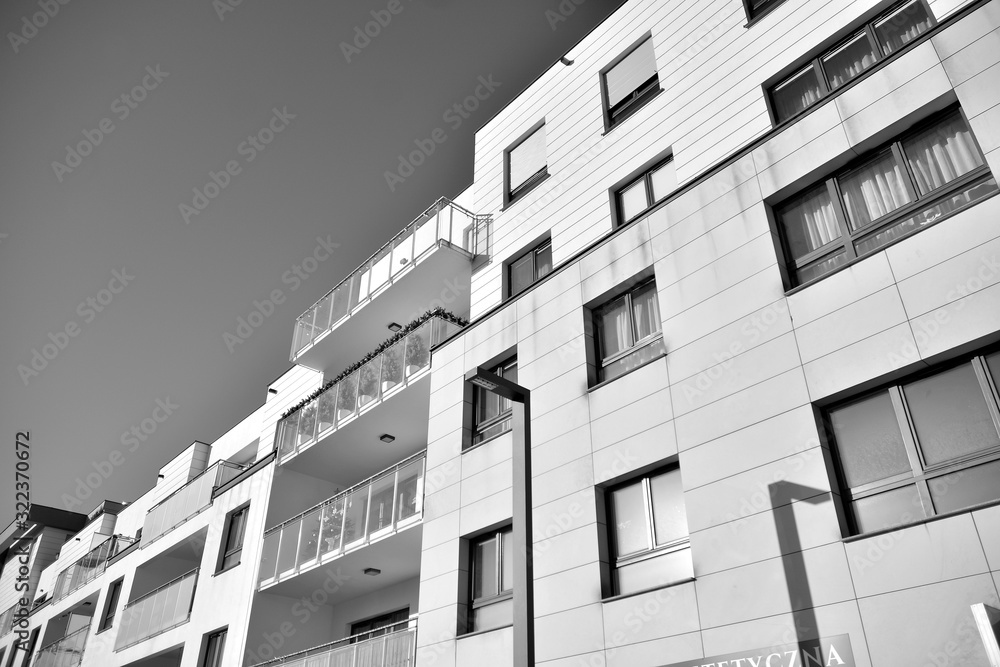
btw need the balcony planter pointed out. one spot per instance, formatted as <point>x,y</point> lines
<point>368,383</point>
<point>307,423</point>
<point>392,366</point>
<point>347,396</point>
<point>417,353</point>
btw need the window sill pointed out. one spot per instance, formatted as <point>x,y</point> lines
<point>604,383</point>
<point>227,569</point>
<point>510,201</point>
<point>483,632</point>
<point>625,596</point>
<point>609,127</point>
<point>937,517</point>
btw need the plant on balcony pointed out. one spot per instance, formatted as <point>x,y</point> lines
<point>325,410</point>
<point>417,354</point>
<point>368,383</point>
<point>392,366</point>
<point>307,423</point>
<point>347,398</point>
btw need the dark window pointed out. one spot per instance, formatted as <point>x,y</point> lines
<point>380,625</point>
<point>629,82</point>
<point>492,603</point>
<point>649,532</point>
<point>232,546</point>
<point>926,174</point>
<point>492,413</point>
<point>214,647</point>
<point>925,446</point>
<point>28,650</point>
<point>529,267</point>
<point>525,164</point>
<point>644,192</point>
<point>872,42</point>
<point>757,8</point>
<point>628,331</point>
<point>110,605</point>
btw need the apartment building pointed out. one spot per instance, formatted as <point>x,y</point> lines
<point>718,320</point>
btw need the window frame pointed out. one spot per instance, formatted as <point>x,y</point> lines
<point>512,195</point>
<point>110,611</point>
<point>533,253</point>
<point>383,629</point>
<point>815,61</point>
<point>638,98</point>
<point>755,15</point>
<point>920,474</point>
<point>209,637</point>
<point>502,594</point>
<point>647,177</point>
<point>225,549</point>
<point>602,361</point>
<point>503,413</point>
<point>847,239</point>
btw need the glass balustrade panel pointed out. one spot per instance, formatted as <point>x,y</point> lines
<point>354,517</point>
<point>347,396</point>
<point>380,505</point>
<point>369,382</point>
<point>309,538</point>
<point>333,523</point>
<point>269,556</point>
<point>289,546</point>
<point>409,490</point>
<point>326,410</point>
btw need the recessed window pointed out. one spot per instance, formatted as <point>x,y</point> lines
<point>831,69</point>
<point>214,647</point>
<point>526,164</point>
<point>628,331</point>
<point>757,8</point>
<point>923,447</point>
<point>492,590</point>
<point>889,193</point>
<point>629,82</point>
<point>646,191</point>
<point>650,543</point>
<point>380,625</point>
<point>491,412</point>
<point>529,268</point>
<point>111,605</point>
<point>232,547</point>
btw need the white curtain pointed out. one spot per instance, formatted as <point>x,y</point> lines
<point>646,312</point>
<point>796,94</point>
<point>810,223</point>
<point>873,190</point>
<point>616,332</point>
<point>942,153</point>
<point>849,61</point>
<point>902,27</point>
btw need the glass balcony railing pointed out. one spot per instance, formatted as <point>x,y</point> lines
<point>157,611</point>
<point>65,652</point>
<point>375,508</point>
<point>389,371</point>
<point>186,501</point>
<point>7,620</point>
<point>443,222</point>
<point>89,567</point>
<point>391,646</point>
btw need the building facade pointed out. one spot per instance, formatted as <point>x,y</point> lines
<point>745,257</point>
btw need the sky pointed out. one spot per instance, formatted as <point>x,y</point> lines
<point>165,165</point>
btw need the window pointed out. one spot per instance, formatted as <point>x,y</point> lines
<point>232,547</point>
<point>644,192</point>
<point>931,172</point>
<point>757,8</point>
<point>529,268</point>
<point>650,546</point>
<point>214,647</point>
<point>629,82</point>
<point>110,605</point>
<point>28,650</point>
<point>525,163</point>
<point>923,447</point>
<point>628,331</point>
<point>873,42</point>
<point>380,625</point>
<point>492,413</point>
<point>492,580</point>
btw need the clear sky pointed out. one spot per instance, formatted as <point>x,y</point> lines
<point>114,112</point>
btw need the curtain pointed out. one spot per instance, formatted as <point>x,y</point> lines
<point>616,332</point>
<point>902,27</point>
<point>810,222</point>
<point>646,312</point>
<point>942,153</point>
<point>801,91</point>
<point>873,190</point>
<point>851,60</point>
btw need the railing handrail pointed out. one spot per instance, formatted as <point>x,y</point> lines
<point>446,202</point>
<point>160,588</point>
<point>346,641</point>
<point>394,467</point>
<point>218,464</point>
<point>63,638</point>
<point>113,538</point>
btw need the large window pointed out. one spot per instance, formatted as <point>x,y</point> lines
<point>492,590</point>
<point>529,268</point>
<point>214,647</point>
<point>525,164</point>
<point>111,605</point>
<point>872,42</point>
<point>629,82</point>
<point>923,447</point>
<point>922,176</point>
<point>628,331</point>
<point>643,193</point>
<point>232,546</point>
<point>491,412</point>
<point>650,545</point>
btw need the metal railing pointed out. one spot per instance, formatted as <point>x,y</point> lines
<point>89,566</point>
<point>443,222</point>
<point>64,652</point>
<point>374,508</point>
<point>367,385</point>
<point>395,646</point>
<point>186,501</point>
<point>157,611</point>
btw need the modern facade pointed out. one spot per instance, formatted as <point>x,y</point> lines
<point>744,255</point>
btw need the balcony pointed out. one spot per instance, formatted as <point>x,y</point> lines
<point>89,566</point>
<point>395,647</point>
<point>187,501</point>
<point>65,652</point>
<point>377,508</point>
<point>156,612</point>
<point>398,366</point>
<point>433,253</point>
<point>7,619</point>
